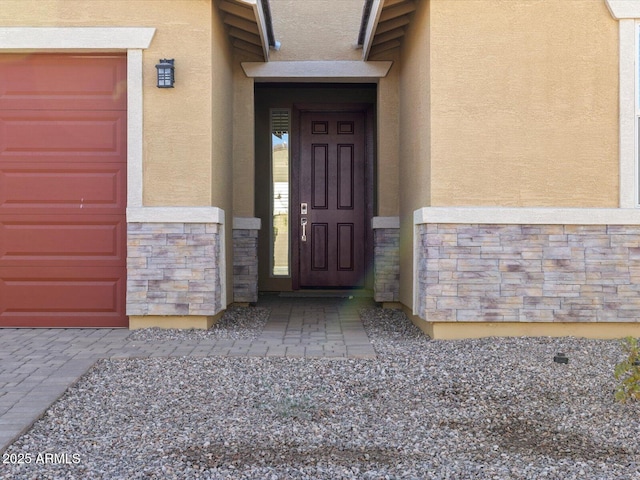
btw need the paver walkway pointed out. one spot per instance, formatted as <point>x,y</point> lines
<point>38,365</point>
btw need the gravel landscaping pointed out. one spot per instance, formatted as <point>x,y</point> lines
<point>490,408</point>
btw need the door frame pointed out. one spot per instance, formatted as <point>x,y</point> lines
<point>370,134</point>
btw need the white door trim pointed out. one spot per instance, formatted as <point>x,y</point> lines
<point>627,12</point>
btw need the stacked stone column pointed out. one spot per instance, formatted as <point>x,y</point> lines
<point>245,259</point>
<point>386,253</point>
<point>173,269</point>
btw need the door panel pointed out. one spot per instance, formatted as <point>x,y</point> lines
<point>69,82</point>
<point>319,178</point>
<point>28,188</point>
<point>69,136</point>
<point>332,182</point>
<point>62,240</point>
<point>62,297</point>
<point>345,246</point>
<point>319,239</point>
<point>346,186</point>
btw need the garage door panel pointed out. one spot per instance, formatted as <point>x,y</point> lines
<point>62,188</point>
<point>63,136</point>
<point>62,241</point>
<point>63,192</point>
<point>62,297</point>
<point>62,81</point>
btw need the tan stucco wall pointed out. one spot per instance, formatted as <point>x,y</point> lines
<point>510,103</point>
<point>316,29</point>
<point>524,103</point>
<point>222,111</point>
<point>177,122</point>
<point>243,143</point>
<point>415,136</point>
<point>388,109</point>
<point>220,175</point>
<point>177,162</point>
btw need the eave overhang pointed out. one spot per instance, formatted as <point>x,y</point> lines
<point>383,25</point>
<point>249,26</point>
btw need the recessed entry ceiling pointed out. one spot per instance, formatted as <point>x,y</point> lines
<point>250,28</point>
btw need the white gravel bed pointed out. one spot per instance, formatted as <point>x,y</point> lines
<point>487,409</point>
<point>236,323</point>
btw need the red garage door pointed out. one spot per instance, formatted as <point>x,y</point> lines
<point>62,190</point>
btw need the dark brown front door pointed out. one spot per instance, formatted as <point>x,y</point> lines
<point>331,213</point>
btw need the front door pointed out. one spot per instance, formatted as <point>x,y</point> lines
<point>331,210</point>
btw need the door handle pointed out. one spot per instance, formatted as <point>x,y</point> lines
<point>303,222</point>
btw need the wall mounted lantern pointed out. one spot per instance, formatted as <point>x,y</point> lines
<point>166,73</point>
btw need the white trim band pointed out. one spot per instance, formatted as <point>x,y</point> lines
<point>321,70</point>
<point>527,216</point>
<point>385,222</point>
<point>175,215</point>
<point>89,38</point>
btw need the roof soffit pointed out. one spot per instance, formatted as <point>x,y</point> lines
<point>249,26</point>
<point>384,23</point>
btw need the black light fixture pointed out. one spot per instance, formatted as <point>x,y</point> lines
<point>166,73</point>
<point>561,358</point>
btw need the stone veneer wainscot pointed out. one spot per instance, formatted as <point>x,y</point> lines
<point>544,271</point>
<point>530,273</point>
<point>173,269</point>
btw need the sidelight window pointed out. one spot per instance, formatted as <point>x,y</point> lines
<point>280,257</point>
